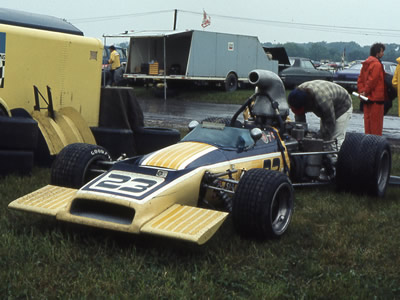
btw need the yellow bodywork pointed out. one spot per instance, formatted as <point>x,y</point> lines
<point>182,222</point>
<point>166,207</point>
<point>69,64</point>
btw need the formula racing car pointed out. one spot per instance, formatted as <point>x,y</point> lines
<point>247,169</point>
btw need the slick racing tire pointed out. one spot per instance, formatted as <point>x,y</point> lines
<point>263,204</point>
<point>364,164</point>
<point>18,133</point>
<point>77,164</point>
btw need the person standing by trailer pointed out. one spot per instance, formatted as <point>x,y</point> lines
<point>115,63</point>
<point>371,84</point>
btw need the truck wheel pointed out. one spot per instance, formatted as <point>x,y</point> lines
<point>263,204</point>
<point>364,164</point>
<point>231,82</point>
<point>76,163</point>
<point>149,139</point>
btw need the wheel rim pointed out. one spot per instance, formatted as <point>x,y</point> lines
<point>281,208</point>
<point>383,171</point>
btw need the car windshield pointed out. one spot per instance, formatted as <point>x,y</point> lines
<point>220,136</point>
<point>356,67</point>
<point>389,68</point>
<point>307,64</point>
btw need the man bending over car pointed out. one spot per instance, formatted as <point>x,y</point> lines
<point>328,101</point>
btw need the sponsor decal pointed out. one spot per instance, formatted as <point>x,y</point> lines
<point>126,184</point>
<point>267,137</point>
<point>162,173</point>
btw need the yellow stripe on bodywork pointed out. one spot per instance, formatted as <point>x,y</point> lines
<point>187,223</point>
<point>178,156</point>
<point>47,200</point>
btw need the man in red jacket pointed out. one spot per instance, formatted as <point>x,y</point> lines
<point>371,84</point>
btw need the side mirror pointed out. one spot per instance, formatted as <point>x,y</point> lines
<point>256,134</point>
<point>192,125</point>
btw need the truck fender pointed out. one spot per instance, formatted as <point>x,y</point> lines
<point>66,128</point>
<point>4,110</point>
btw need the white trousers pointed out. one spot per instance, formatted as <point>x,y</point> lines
<point>340,129</point>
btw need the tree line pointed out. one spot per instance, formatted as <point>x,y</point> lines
<point>335,51</point>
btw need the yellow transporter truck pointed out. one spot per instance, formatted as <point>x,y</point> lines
<point>50,91</point>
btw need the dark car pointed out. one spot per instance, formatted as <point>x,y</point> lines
<point>347,78</point>
<point>302,70</point>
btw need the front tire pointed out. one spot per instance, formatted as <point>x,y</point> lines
<point>74,165</point>
<point>263,204</point>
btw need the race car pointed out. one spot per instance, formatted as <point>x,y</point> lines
<point>222,167</point>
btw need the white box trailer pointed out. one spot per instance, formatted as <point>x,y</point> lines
<point>195,55</point>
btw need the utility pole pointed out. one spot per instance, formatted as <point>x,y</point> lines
<point>175,18</point>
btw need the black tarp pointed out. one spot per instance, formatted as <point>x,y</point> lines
<point>119,108</point>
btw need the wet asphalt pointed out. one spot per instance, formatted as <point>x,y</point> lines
<point>177,114</point>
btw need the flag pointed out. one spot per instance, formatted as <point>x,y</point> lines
<point>206,20</point>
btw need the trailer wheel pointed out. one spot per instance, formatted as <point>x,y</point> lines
<point>231,82</point>
<point>76,164</point>
<point>263,204</point>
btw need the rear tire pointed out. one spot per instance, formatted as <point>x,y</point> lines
<point>73,166</point>
<point>263,204</point>
<point>364,164</point>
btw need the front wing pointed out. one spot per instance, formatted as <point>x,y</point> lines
<point>180,222</point>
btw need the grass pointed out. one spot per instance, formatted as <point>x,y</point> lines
<point>338,246</point>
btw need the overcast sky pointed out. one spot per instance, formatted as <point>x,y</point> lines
<point>278,21</point>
